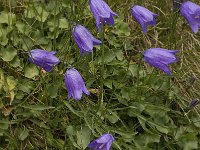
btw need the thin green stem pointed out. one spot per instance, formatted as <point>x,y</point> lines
<point>102,66</point>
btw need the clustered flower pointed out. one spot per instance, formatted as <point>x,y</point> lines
<point>158,57</point>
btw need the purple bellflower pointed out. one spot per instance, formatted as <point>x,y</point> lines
<point>43,59</point>
<point>193,103</point>
<point>191,12</point>
<point>143,16</point>
<point>84,39</point>
<point>75,84</point>
<point>102,13</point>
<point>160,58</point>
<point>104,142</point>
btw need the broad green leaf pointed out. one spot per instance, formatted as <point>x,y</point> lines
<point>16,62</point>
<point>112,117</point>
<point>39,13</point>
<point>23,28</point>
<point>108,83</point>
<point>7,17</point>
<point>53,90</point>
<point>133,69</point>
<point>26,86</point>
<point>63,23</point>
<point>119,54</point>
<point>31,71</point>
<point>83,137</point>
<point>8,53</point>
<point>11,83</point>
<point>3,39</point>
<point>71,133</point>
<point>122,28</point>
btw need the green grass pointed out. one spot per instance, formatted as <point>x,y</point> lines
<point>140,106</point>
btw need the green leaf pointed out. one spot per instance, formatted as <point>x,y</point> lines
<point>40,124</point>
<point>112,117</point>
<point>108,83</point>
<point>26,86</point>
<point>119,54</point>
<point>16,62</point>
<point>31,71</point>
<point>63,23</point>
<point>23,135</point>
<point>83,137</point>
<point>11,83</point>
<point>37,107</point>
<point>71,132</point>
<point>53,90</point>
<point>39,13</point>
<point>1,79</point>
<point>122,29</point>
<point>7,17</point>
<point>8,54</point>
<point>133,69</point>
<point>3,36</point>
<point>23,28</point>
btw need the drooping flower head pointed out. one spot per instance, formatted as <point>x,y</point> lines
<point>102,13</point>
<point>160,58</point>
<point>104,142</point>
<point>143,16</point>
<point>84,39</point>
<point>43,59</point>
<point>191,12</point>
<point>75,84</point>
<point>193,103</point>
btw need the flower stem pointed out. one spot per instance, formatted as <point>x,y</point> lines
<point>102,65</point>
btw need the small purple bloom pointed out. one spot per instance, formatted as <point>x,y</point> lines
<point>191,12</point>
<point>102,13</point>
<point>143,16</point>
<point>75,84</point>
<point>84,39</point>
<point>193,103</point>
<point>43,59</point>
<point>104,142</point>
<point>160,58</point>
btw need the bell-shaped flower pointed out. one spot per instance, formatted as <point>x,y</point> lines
<point>193,103</point>
<point>143,16</point>
<point>43,59</point>
<point>102,13</point>
<point>84,39</point>
<point>104,142</point>
<point>191,12</point>
<point>75,84</point>
<point>160,58</point>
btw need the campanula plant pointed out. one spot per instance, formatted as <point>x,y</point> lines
<point>43,59</point>
<point>102,13</point>
<point>75,84</point>
<point>191,12</point>
<point>104,142</point>
<point>143,16</point>
<point>160,58</point>
<point>84,39</point>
